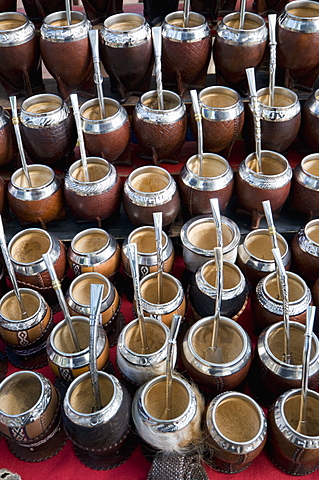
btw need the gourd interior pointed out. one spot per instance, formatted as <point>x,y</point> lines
<point>237,419</point>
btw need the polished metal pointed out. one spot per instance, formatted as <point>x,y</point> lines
<point>68,33</point>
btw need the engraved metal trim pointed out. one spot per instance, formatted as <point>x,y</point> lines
<point>126,38</point>
<point>301,441</point>
<point>277,366</point>
<point>266,182</point>
<point>19,35</point>
<point>210,290</point>
<point>276,306</point>
<point>294,23</point>
<point>185,34</point>
<point>150,199</point>
<point>105,125</point>
<point>44,119</point>
<point>195,256</point>
<point>214,369</point>
<point>234,36</point>
<point>159,425</point>
<point>197,182</point>
<point>139,360</point>
<point>88,189</point>
<point>163,308</point>
<point>149,259</point>
<point>29,194</point>
<point>38,266</point>
<point>88,259</point>
<point>104,415</point>
<point>278,114</point>
<point>33,413</point>
<point>304,241</point>
<point>220,114</point>
<point>83,309</point>
<point>304,177</point>
<point>160,117</point>
<point>75,360</point>
<point>15,325</point>
<point>67,33</point>
<point>240,448</point>
<point>260,264</point>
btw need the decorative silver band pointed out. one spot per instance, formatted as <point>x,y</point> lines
<point>242,37</point>
<point>189,34</point>
<point>16,36</point>
<point>125,39</point>
<point>68,33</point>
<point>47,119</point>
<point>101,416</point>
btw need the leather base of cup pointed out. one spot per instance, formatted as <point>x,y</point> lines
<point>33,357</point>
<point>287,466</point>
<point>225,467</point>
<point>111,457</point>
<point>51,441</point>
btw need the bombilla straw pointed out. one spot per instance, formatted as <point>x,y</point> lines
<point>186,13</point>
<point>132,255</point>
<point>176,321</point>
<point>157,44</point>
<point>158,221</point>
<point>98,79</point>
<point>214,353</point>
<point>242,14</point>
<point>76,113</point>
<point>8,262</point>
<point>214,205</point>
<point>68,12</point>
<point>283,278</point>
<point>250,72</point>
<point>272,19</point>
<point>15,121</point>
<point>198,118</point>
<point>58,290</point>
<point>272,232</point>
<point>302,424</point>
<point>96,297</point>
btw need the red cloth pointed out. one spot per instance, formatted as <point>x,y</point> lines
<point>66,465</point>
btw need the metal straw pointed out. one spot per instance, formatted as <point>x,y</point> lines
<point>176,321</point>
<point>214,353</point>
<point>302,424</point>
<point>76,113</point>
<point>186,13</point>
<point>132,255</point>
<point>158,222</point>
<point>15,121</point>
<point>242,14</point>
<point>8,262</point>
<point>214,205</point>
<point>58,290</point>
<point>96,297</point>
<point>68,12</point>
<point>272,20</point>
<point>157,43</point>
<point>283,277</point>
<point>250,72</point>
<point>98,79</point>
<point>272,232</point>
<point>198,118</point>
